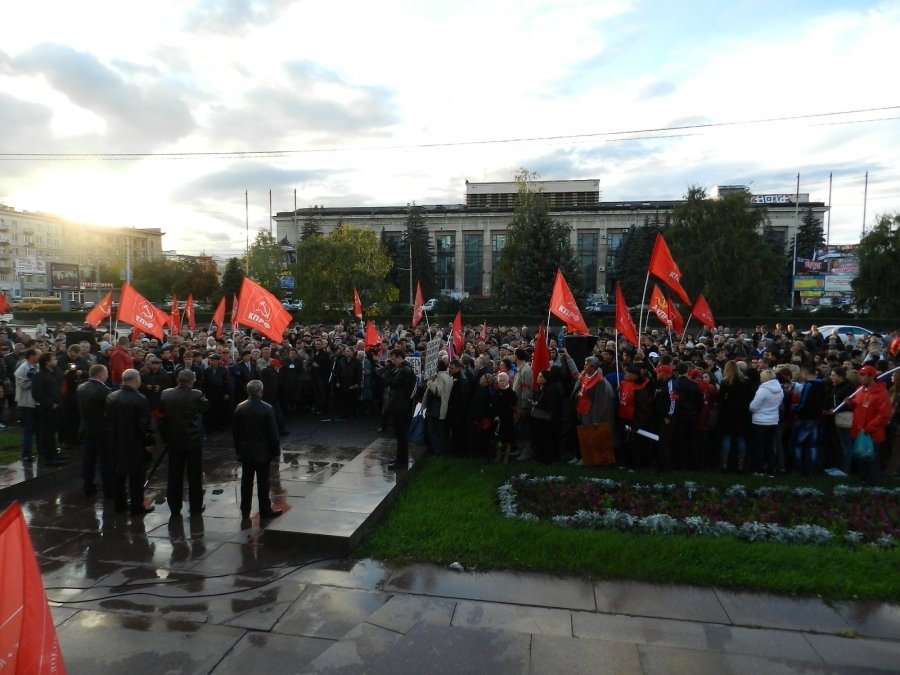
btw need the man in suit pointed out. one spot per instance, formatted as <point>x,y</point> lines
<point>92,432</point>
<point>256,442</point>
<point>131,441</point>
<point>181,428</point>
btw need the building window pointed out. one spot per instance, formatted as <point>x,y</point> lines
<point>498,243</point>
<point>473,261</point>
<point>587,260</point>
<point>446,261</point>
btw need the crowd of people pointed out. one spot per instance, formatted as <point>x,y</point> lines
<point>767,401</point>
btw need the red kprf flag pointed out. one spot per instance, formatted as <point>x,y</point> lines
<point>663,266</point>
<point>373,339</point>
<point>456,333</point>
<point>137,311</point>
<point>563,306</point>
<point>261,310</point>
<point>189,312</point>
<point>28,641</point>
<point>660,306</point>
<point>235,308</point>
<point>5,307</point>
<point>101,311</point>
<point>703,313</point>
<point>677,321</point>
<point>357,305</point>
<point>175,321</point>
<point>624,322</point>
<point>540,360</point>
<point>417,306</point>
<point>218,318</point>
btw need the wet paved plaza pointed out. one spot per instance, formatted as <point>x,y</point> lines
<point>218,594</point>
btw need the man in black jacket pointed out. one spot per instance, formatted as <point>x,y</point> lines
<point>399,405</point>
<point>217,387</point>
<point>131,441</point>
<point>92,432</point>
<point>46,387</point>
<point>181,428</point>
<point>256,442</point>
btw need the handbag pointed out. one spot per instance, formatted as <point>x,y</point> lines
<point>863,447</point>
<point>843,419</point>
<point>416,433</point>
<point>595,443</point>
<point>541,414</point>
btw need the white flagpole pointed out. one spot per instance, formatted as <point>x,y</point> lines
<point>643,302</point>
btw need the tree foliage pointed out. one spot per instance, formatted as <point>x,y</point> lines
<point>536,246</point>
<point>877,288</point>
<point>156,278</point>
<point>720,247</point>
<point>266,261</point>
<point>422,257</point>
<point>633,259</point>
<point>312,225</point>
<point>330,267</point>
<point>810,235</point>
<point>199,277</point>
<point>232,278</point>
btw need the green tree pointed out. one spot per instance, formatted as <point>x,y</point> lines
<point>267,262</point>
<point>720,248</point>
<point>536,246</point>
<point>232,278</point>
<point>633,258</point>
<point>336,263</point>
<point>155,278</point>
<point>877,288</point>
<point>200,277</point>
<point>312,225</point>
<point>393,248</point>
<point>810,236</point>
<point>422,258</point>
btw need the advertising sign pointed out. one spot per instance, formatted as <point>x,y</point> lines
<point>30,266</point>
<point>63,277</point>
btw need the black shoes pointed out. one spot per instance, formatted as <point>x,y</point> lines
<point>398,466</point>
<point>197,512</point>
<point>54,461</point>
<point>274,513</point>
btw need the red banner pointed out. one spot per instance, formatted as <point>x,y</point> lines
<point>175,317</point>
<point>261,310</point>
<point>189,312</point>
<point>357,305</point>
<point>540,360</point>
<point>417,306</point>
<point>5,307</point>
<point>662,265</point>
<point>563,306</point>
<point>660,306</point>
<point>101,311</point>
<point>624,322</point>
<point>235,309</point>
<point>28,641</point>
<point>218,319</point>
<point>137,311</point>
<point>456,334</point>
<point>703,313</point>
<point>373,339</point>
<point>677,321</point>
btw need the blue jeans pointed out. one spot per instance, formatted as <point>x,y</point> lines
<point>727,443</point>
<point>805,446</point>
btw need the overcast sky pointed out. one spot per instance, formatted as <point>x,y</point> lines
<point>401,101</point>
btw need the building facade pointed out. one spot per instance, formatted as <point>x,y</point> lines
<point>43,254</point>
<point>469,238</point>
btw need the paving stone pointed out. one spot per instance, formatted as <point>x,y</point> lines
<point>881,655</point>
<point>554,654</point>
<point>329,612</point>
<point>365,574</point>
<point>516,618</point>
<point>657,660</point>
<point>402,612</point>
<point>874,619</point>
<point>772,611</point>
<point>660,600</point>
<point>271,653</point>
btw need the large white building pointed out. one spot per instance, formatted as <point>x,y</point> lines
<point>43,254</point>
<point>469,238</point>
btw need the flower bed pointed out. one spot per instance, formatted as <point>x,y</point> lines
<point>851,515</point>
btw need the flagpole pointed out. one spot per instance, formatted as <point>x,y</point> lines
<point>641,312</point>
<point>686,324</point>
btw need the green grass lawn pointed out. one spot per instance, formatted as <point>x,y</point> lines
<point>448,512</point>
<point>10,447</point>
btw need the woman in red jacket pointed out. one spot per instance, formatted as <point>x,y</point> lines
<point>871,414</point>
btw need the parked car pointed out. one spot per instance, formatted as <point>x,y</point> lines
<point>842,331</point>
<point>292,305</point>
<point>429,305</point>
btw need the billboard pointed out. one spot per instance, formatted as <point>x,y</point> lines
<point>63,277</point>
<point>30,266</point>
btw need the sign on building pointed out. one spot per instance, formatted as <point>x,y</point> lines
<point>64,277</point>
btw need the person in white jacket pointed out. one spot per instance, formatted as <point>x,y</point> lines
<point>437,397</point>
<point>764,409</point>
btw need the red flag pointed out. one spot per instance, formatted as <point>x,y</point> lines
<point>624,322</point>
<point>484,331</point>
<point>101,311</point>
<point>417,306</point>
<point>28,641</point>
<point>703,313</point>
<point>662,265</point>
<point>235,308</point>
<point>137,311</point>
<point>261,310</point>
<point>562,305</point>
<point>189,312</point>
<point>660,306</point>
<point>540,360</point>
<point>175,321</point>
<point>218,318</point>
<point>5,307</point>
<point>456,333</point>
<point>357,305</point>
<point>677,321</point>
<point>373,339</point>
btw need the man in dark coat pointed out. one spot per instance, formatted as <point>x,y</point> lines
<point>46,387</point>
<point>92,397</point>
<point>217,387</point>
<point>243,371</point>
<point>268,375</point>
<point>349,382</point>
<point>131,441</point>
<point>256,442</point>
<point>181,428</point>
<point>399,405</point>
<point>154,381</point>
